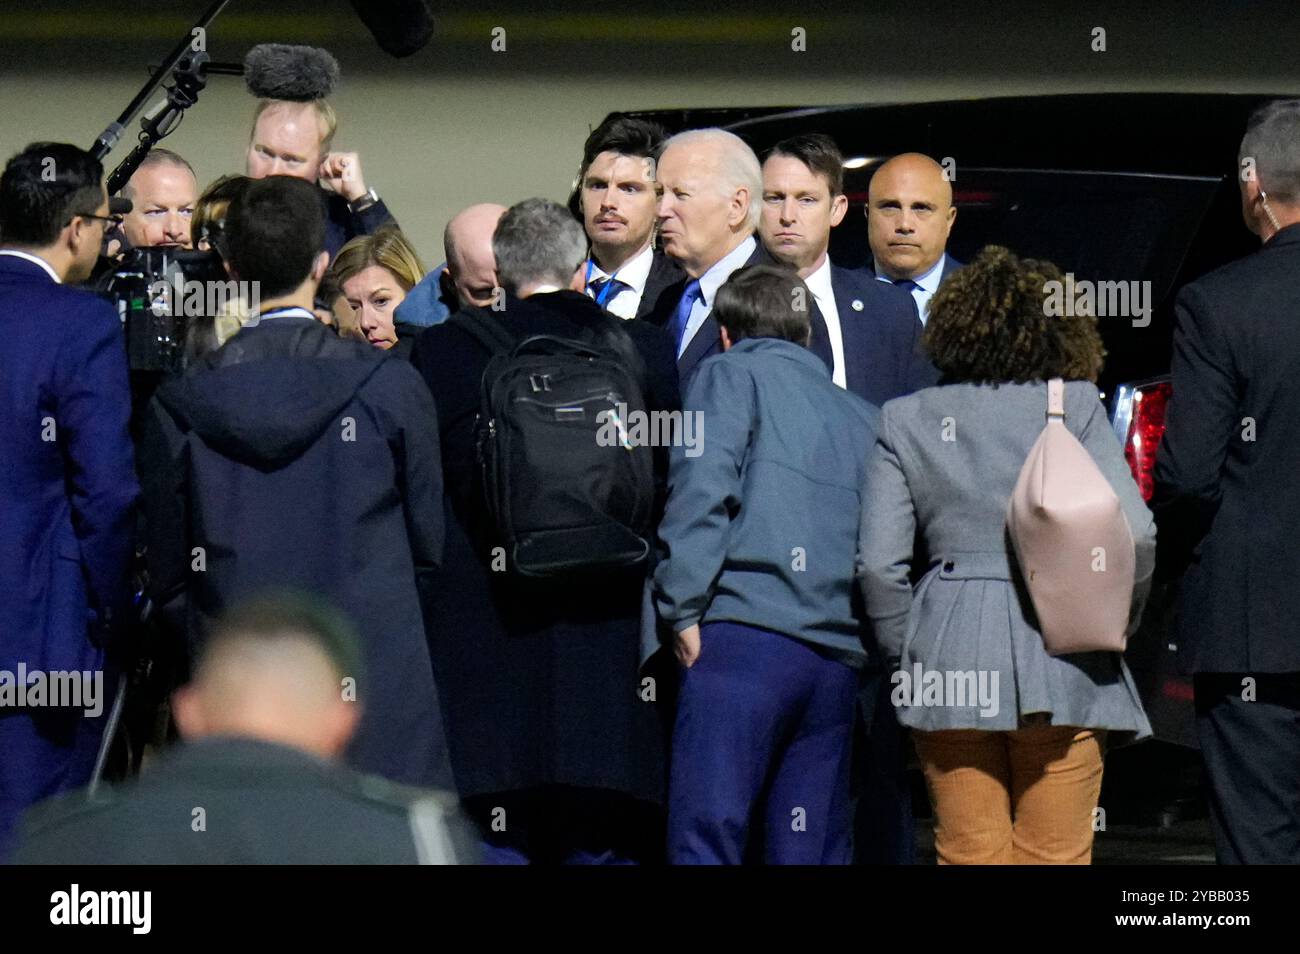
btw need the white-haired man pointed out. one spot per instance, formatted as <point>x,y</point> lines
<point>712,188</point>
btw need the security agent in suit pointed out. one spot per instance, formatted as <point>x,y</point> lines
<point>67,480</point>
<point>873,329</point>
<point>874,335</point>
<point>710,183</point>
<point>1226,506</point>
<point>909,218</point>
<point>258,779</point>
<point>617,201</point>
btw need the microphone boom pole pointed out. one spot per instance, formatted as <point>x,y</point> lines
<point>109,137</point>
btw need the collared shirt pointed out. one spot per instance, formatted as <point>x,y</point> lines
<point>926,286</point>
<point>632,273</point>
<point>819,283</point>
<point>710,282</point>
<point>26,256</point>
<point>294,310</point>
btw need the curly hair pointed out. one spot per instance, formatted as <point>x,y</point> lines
<point>989,323</point>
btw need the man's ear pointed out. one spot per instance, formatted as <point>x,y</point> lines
<point>740,202</point>
<point>446,284</point>
<point>578,280</point>
<point>78,233</point>
<point>187,710</point>
<point>726,338</point>
<point>839,207</point>
<point>340,724</point>
<point>320,266</point>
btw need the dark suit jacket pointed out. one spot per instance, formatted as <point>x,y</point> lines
<point>537,677</point>
<point>1226,470</point>
<point>707,340</point>
<point>882,337</point>
<point>262,804</point>
<point>664,272</point>
<point>67,481</point>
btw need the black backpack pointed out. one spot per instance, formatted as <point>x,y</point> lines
<point>562,502</point>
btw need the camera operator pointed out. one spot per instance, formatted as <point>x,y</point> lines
<point>67,483</point>
<point>163,192</point>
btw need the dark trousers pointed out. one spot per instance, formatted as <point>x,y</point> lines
<point>884,830</point>
<point>762,741</point>
<point>1252,757</point>
<point>44,752</point>
<point>564,825</point>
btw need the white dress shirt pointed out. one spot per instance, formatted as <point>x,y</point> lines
<point>49,269</point>
<point>710,282</point>
<point>819,283</point>
<point>926,286</point>
<point>633,273</point>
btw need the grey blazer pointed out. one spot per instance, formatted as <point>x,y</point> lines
<point>965,645</point>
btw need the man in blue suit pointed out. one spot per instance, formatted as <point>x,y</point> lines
<point>67,480</point>
<point>870,329</point>
<point>909,218</point>
<point>711,184</point>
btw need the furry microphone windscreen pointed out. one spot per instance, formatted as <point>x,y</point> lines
<point>297,73</point>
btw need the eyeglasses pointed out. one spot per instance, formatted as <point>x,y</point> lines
<point>111,221</point>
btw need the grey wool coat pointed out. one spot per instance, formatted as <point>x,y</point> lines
<point>942,471</point>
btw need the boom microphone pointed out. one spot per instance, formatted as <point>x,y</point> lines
<point>400,27</point>
<point>297,73</point>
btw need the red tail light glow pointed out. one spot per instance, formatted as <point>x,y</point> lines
<point>1146,427</point>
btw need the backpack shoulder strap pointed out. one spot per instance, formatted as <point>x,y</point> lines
<point>1056,399</point>
<point>485,329</point>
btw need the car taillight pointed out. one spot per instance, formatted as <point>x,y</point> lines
<point>1140,422</point>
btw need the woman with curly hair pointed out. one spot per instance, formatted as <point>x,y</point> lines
<point>1010,739</point>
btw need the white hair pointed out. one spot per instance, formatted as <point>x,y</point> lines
<point>738,167</point>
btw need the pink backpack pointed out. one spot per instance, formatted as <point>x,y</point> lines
<point>1072,540</point>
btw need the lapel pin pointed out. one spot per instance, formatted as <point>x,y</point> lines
<point>857,304</point>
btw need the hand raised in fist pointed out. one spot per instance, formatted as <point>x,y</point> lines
<point>340,172</point>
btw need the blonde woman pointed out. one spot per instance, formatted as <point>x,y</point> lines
<point>375,273</point>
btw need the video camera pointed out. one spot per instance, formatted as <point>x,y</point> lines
<point>151,289</point>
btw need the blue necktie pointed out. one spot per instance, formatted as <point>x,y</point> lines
<point>690,295</point>
<point>906,284</point>
<point>597,290</point>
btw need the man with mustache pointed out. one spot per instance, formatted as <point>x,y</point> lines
<point>909,218</point>
<point>617,198</point>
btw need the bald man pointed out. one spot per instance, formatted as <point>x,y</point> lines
<point>258,780</point>
<point>468,276</point>
<point>163,192</point>
<point>909,218</point>
<point>711,187</point>
<point>471,272</point>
